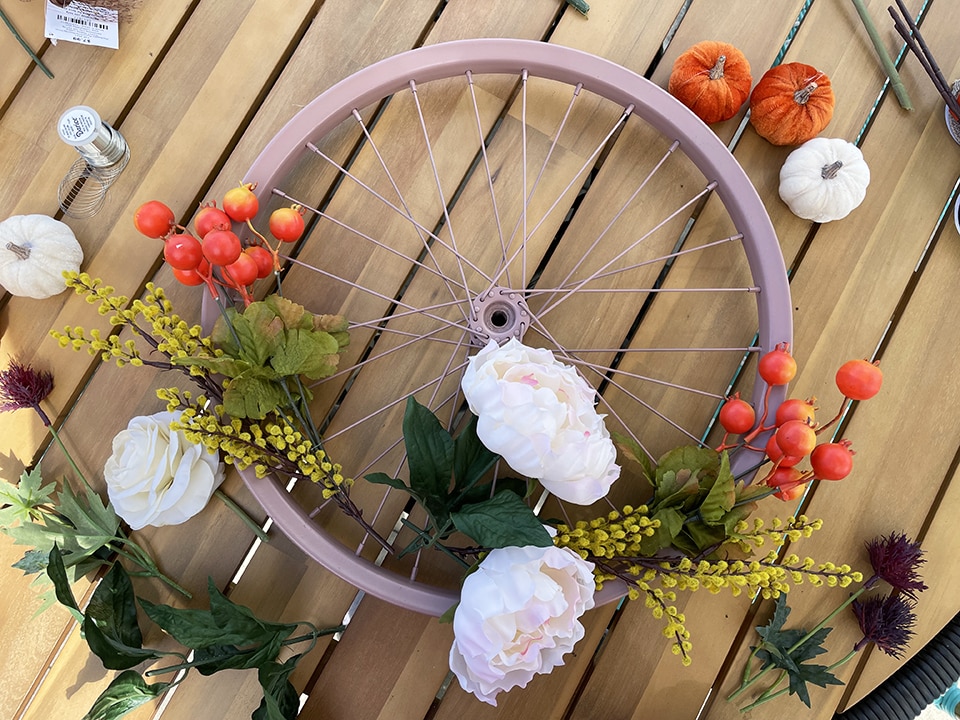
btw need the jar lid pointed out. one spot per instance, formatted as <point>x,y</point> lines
<point>79,125</point>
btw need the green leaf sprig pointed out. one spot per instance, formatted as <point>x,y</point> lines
<point>227,636</point>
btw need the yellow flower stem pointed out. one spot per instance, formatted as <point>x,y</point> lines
<point>241,513</point>
<point>767,668</point>
<point>770,695</point>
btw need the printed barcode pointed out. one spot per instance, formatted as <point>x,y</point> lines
<point>81,21</point>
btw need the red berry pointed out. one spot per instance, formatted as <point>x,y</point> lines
<point>286,223</point>
<point>182,252</point>
<point>210,218</point>
<point>859,379</point>
<point>221,247</point>
<point>240,203</point>
<point>776,454</point>
<point>777,367</point>
<point>832,461</point>
<point>154,219</point>
<point>796,438</point>
<point>796,409</point>
<point>737,416</point>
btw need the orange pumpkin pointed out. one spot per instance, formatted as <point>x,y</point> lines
<point>712,79</point>
<point>791,104</point>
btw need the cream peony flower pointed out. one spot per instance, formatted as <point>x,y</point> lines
<point>155,476</point>
<point>539,415</point>
<point>518,616</point>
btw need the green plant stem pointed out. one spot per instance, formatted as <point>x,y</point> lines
<point>23,43</point>
<point>770,695</point>
<point>580,6</point>
<point>66,453</point>
<point>241,513</point>
<point>895,82</point>
<point>433,541</point>
<point>311,636</point>
<point>767,668</point>
<point>138,555</point>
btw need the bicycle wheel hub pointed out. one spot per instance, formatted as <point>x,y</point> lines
<point>498,314</point>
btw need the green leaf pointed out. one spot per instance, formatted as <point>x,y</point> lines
<point>281,701</point>
<point>702,535</point>
<point>127,692</point>
<point>736,514</point>
<point>380,478</point>
<point>291,314</point>
<point>479,493</point>
<point>110,623</point>
<point>114,608</point>
<point>214,658</point>
<point>471,458</point>
<point>260,332</point>
<point>23,499</point>
<point>225,624</point>
<point>501,521</point>
<point>306,352</point>
<point>429,455</point>
<point>690,458</point>
<point>239,625</point>
<point>721,496</point>
<point>448,614</point>
<point>674,487</point>
<point>671,523</point>
<point>632,451</point>
<point>781,612</point>
<point>32,562</point>
<point>252,397</point>
<point>57,573</point>
<point>819,675</point>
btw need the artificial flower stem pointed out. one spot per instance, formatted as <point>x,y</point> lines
<point>312,636</point>
<point>66,453</point>
<point>889,67</point>
<point>767,668</point>
<point>770,695</point>
<point>140,557</point>
<point>23,43</point>
<point>241,513</point>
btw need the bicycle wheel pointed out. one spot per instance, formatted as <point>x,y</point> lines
<point>506,188</point>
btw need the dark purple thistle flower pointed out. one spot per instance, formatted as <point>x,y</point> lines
<point>886,621</point>
<point>895,558</point>
<point>23,387</point>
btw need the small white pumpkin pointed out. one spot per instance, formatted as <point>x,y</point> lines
<point>824,179</point>
<point>35,250</point>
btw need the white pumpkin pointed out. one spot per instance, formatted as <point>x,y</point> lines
<point>824,179</point>
<point>35,250</point>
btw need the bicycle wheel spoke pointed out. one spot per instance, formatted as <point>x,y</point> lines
<point>588,163</point>
<point>439,184</point>
<point>426,244</point>
<point>413,221</point>
<point>407,313</point>
<point>662,259</point>
<point>486,167</point>
<point>414,339</point>
<point>605,370</point>
<point>708,189</point>
<point>640,187</point>
<point>395,402</point>
<point>370,291</point>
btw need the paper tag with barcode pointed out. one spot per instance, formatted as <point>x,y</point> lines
<point>80,22</point>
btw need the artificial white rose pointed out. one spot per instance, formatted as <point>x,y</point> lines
<point>518,616</point>
<point>539,415</point>
<point>155,476</point>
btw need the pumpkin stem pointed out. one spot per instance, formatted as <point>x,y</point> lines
<point>803,94</point>
<point>828,172</point>
<point>19,250</point>
<point>716,72</point>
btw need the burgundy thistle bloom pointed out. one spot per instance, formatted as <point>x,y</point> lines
<point>887,621</point>
<point>895,558</point>
<point>23,387</point>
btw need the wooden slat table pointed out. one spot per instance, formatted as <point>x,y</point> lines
<point>198,88</point>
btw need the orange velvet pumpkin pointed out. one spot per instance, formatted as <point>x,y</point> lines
<point>712,79</point>
<point>791,104</point>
